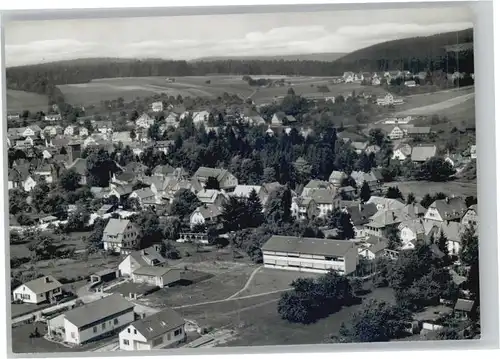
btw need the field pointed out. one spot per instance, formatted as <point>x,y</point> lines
<point>421,188</point>
<point>18,101</point>
<point>196,86</point>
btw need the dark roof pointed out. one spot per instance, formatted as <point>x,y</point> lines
<point>423,153</point>
<point>450,208</point>
<point>100,309</point>
<point>126,176</point>
<point>318,246</point>
<point>148,256</point>
<point>361,214</point>
<point>158,323</point>
<point>464,305</point>
<point>164,169</point>
<point>378,247</point>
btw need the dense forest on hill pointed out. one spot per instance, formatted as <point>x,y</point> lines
<point>415,54</point>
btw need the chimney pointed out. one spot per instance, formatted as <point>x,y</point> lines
<point>47,280</point>
<point>447,199</point>
<point>143,252</point>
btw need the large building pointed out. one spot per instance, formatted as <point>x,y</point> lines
<point>97,319</point>
<point>315,255</point>
<point>160,330</point>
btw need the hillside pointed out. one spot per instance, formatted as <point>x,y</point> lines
<point>324,57</point>
<point>415,54</point>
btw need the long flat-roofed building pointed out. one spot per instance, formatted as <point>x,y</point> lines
<point>315,255</point>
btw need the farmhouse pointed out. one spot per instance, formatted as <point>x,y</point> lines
<point>310,254</point>
<point>146,257</point>
<point>402,152</point>
<point>120,235</point>
<point>160,330</point>
<point>97,319</point>
<point>39,290</point>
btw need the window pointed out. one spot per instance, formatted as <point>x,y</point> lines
<point>135,331</point>
<point>115,321</point>
<point>128,330</point>
<point>95,329</point>
<point>103,325</point>
<point>73,335</point>
<point>126,342</point>
<point>169,336</point>
<point>177,332</point>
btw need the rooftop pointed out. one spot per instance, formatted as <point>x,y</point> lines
<point>158,323</point>
<point>318,246</point>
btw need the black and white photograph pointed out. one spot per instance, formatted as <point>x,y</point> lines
<point>242,180</point>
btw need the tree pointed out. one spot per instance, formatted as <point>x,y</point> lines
<point>393,237</point>
<point>341,220</point>
<point>234,214</point>
<point>69,180</point>
<point>99,167</point>
<point>154,132</point>
<point>410,199</point>
<point>427,200</point>
<point>394,193</point>
<point>254,209</point>
<point>269,175</point>
<point>365,193</point>
<point>443,244</point>
<point>212,183</point>
<point>133,135</point>
<point>168,250</point>
<point>376,137</point>
<point>435,169</point>
<point>184,203</point>
<point>278,206</point>
<point>377,321</point>
<point>469,252</point>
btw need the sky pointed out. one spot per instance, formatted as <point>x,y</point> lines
<point>197,36</point>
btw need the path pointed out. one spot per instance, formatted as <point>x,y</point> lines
<point>231,299</point>
<point>247,284</point>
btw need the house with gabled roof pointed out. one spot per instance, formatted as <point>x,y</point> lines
<point>324,199</point>
<point>386,203</point>
<point>158,331</point>
<point>158,276</point>
<point>163,170</point>
<point>145,257</point>
<point>145,196</point>
<point>97,319</point>
<point>206,214</point>
<point>411,231</point>
<point>304,208</point>
<point>401,152</point>
<point>422,153</point>
<point>450,209</point>
<point>337,178</point>
<point>226,179</point>
<point>471,217</point>
<point>381,221</point>
<point>244,191</point>
<point>280,118</point>
<point>360,215</point>
<point>144,121</point>
<point>315,184</point>
<point>120,235</point>
<point>39,290</point>
<point>212,196</point>
<point>360,177</point>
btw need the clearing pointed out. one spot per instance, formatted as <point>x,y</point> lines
<point>18,101</point>
<point>98,90</point>
<point>421,188</point>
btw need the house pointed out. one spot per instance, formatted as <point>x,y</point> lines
<point>396,133</point>
<point>310,254</point>
<point>359,147</point>
<point>373,251</point>
<point>103,127</point>
<point>120,191</point>
<point>83,132</point>
<point>70,130</point>
<point>372,149</point>
<point>135,167</point>
<point>411,231</point>
<point>157,276</point>
<point>212,196</point>
<point>463,308</point>
<point>45,171</point>
<point>383,220</point>
<point>244,191</point>
<point>452,231</point>
<point>145,257</point>
<point>348,76</point>
<point>337,178</point>
<point>52,130</point>
<point>158,331</point>
<point>383,203</point>
<point>388,99</point>
<point>124,178</point>
<point>163,146</point>
<point>200,118</point>
<point>418,131</point>
<point>145,196</point>
<point>410,83</point>
<point>446,210</point>
<point>324,199</point>
<point>162,170</point>
<point>470,217</point>
<point>227,181</point>
<point>105,209</point>
<point>206,214</point>
<point>122,136</point>
<point>157,106</point>
<point>280,118</point>
<point>314,185</point>
<point>473,153</point>
<point>144,121</point>
<point>39,290</point>
<point>360,177</point>
<point>401,152</point>
<point>304,208</point>
<point>376,81</point>
<point>415,210</point>
<point>97,319</point>
<point>360,215</point>
<point>21,177</point>
<point>52,118</point>
<point>422,153</point>
<point>120,235</point>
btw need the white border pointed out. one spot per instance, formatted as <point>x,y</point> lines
<point>487,164</point>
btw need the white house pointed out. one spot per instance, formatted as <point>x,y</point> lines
<point>226,179</point>
<point>388,99</point>
<point>158,276</point>
<point>144,121</point>
<point>158,331</point>
<point>446,210</point>
<point>204,215</point>
<point>145,196</point>
<point>97,319</point>
<point>200,117</point>
<point>396,133</point>
<point>119,235</point>
<point>70,130</point>
<point>401,152</point>
<point>39,290</point>
<point>145,257</point>
<point>52,118</point>
<point>157,106</point>
<point>310,254</point>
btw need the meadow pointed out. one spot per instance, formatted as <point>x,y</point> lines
<point>18,101</point>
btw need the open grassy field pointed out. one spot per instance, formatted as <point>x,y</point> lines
<point>199,86</point>
<point>421,188</point>
<point>18,101</point>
